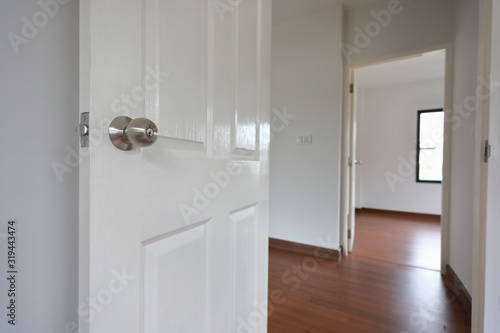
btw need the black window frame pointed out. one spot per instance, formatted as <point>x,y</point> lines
<point>417,176</point>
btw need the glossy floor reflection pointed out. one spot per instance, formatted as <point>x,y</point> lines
<point>359,295</point>
<point>401,238</point>
<point>380,288</point>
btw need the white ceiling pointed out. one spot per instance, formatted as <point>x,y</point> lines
<point>427,66</point>
<point>356,3</point>
<point>285,10</point>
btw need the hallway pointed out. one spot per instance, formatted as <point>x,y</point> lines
<point>372,290</point>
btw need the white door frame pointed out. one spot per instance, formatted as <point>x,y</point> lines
<point>481,171</point>
<point>352,160</point>
<point>448,102</point>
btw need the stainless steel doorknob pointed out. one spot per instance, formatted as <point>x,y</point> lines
<point>127,134</point>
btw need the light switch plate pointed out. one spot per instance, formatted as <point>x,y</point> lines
<point>304,139</point>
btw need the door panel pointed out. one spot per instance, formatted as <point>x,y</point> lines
<point>184,57</point>
<point>244,229</point>
<point>185,221</point>
<point>247,77</point>
<point>187,253</point>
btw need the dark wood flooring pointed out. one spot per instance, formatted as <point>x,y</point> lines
<point>360,294</point>
<point>401,238</point>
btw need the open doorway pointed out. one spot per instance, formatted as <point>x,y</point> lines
<point>397,137</point>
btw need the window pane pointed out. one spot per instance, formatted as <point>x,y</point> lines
<point>431,146</point>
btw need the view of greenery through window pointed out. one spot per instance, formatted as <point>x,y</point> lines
<point>430,145</point>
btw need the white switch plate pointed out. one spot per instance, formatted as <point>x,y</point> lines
<point>304,139</point>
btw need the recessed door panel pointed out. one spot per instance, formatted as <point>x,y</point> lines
<point>247,69</point>
<point>244,249</point>
<point>177,31</point>
<point>175,275</point>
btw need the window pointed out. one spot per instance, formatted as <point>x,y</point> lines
<point>430,126</point>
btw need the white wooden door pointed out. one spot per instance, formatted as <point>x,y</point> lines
<point>351,222</point>
<point>486,291</point>
<point>492,297</point>
<point>174,237</point>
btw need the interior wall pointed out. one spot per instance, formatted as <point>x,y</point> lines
<point>386,146</point>
<point>307,86</point>
<point>39,106</point>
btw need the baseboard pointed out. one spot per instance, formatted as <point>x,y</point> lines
<point>384,211</point>
<point>314,251</point>
<point>458,288</point>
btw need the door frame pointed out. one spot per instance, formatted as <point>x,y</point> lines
<point>84,167</point>
<point>446,189</point>
<point>481,172</point>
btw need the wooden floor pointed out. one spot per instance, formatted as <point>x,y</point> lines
<point>362,293</point>
<point>401,238</point>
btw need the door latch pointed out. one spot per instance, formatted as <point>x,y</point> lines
<point>83,130</point>
<point>355,162</point>
<point>487,151</point>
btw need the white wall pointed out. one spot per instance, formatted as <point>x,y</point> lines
<point>462,155</point>
<point>303,204</point>
<point>307,80</point>
<point>38,113</point>
<point>386,146</point>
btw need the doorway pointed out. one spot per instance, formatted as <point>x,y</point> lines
<point>396,159</point>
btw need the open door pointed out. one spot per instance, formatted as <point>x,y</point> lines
<point>485,290</point>
<point>352,163</point>
<point>174,236</point>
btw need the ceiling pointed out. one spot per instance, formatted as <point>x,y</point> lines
<point>285,10</point>
<point>422,67</point>
<point>427,66</point>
